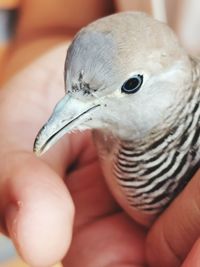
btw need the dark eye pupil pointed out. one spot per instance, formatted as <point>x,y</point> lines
<point>132,85</point>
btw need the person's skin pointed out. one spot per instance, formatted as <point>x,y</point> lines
<point>38,197</point>
<point>43,24</point>
<point>36,205</point>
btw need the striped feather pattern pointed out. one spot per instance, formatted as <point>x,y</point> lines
<point>153,171</point>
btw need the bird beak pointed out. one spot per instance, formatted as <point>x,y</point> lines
<point>69,114</point>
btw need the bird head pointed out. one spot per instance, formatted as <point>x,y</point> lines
<point>124,73</point>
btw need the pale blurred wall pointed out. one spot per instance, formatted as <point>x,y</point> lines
<point>189,25</point>
<point>182,15</point>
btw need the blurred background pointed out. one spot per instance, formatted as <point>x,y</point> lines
<point>30,27</point>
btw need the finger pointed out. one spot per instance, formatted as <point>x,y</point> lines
<point>108,242</point>
<point>100,229</point>
<point>27,101</point>
<point>34,203</point>
<point>37,209</point>
<point>71,153</point>
<point>193,259</point>
<point>90,194</point>
<point>177,229</point>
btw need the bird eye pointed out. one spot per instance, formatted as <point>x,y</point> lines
<point>132,85</point>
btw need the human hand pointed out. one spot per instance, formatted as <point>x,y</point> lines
<point>36,207</point>
<point>35,204</point>
<point>174,238</point>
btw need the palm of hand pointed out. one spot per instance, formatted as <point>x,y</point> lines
<point>102,234</point>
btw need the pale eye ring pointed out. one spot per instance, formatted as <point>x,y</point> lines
<point>132,85</point>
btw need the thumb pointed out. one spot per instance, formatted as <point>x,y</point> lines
<point>193,258</point>
<point>37,210</point>
<point>175,232</point>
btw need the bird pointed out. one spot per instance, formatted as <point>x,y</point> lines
<point>129,80</point>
